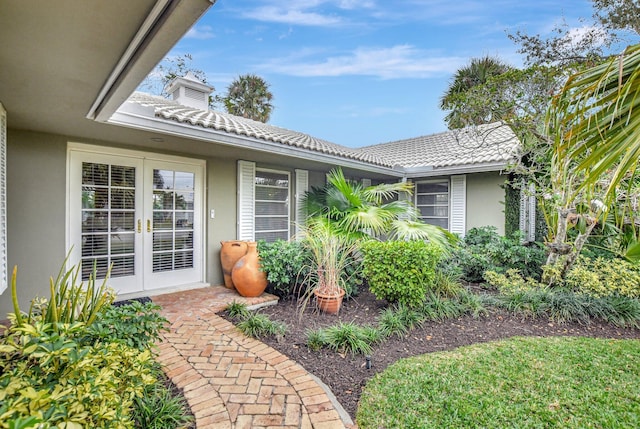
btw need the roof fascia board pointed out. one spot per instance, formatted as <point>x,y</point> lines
<point>418,172</point>
<point>172,17</point>
<point>138,118</point>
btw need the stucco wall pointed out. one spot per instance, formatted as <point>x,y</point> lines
<point>36,178</point>
<point>221,197</point>
<point>485,200</point>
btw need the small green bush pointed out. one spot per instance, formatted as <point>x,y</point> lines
<point>510,281</point>
<point>47,374</point>
<point>485,250</point>
<point>284,262</point>
<point>135,324</point>
<point>400,271</point>
<point>602,277</point>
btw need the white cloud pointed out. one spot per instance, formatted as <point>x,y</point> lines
<point>400,61</point>
<point>292,16</point>
<point>201,33</point>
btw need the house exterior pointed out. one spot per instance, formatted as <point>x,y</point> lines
<point>151,186</point>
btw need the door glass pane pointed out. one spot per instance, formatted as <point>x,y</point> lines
<point>173,214</point>
<point>108,211</point>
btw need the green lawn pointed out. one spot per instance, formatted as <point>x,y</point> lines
<point>516,383</point>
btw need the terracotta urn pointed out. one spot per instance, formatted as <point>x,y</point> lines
<point>230,253</point>
<point>247,278</point>
<point>329,303</point>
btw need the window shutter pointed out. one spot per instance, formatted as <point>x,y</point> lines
<point>531,233</point>
<point>458,204</point>
<point>522,226</point>
<point>3,200</point>
<point>366,183</point>
<point>302,186</point>
<point>246,200</point>
<point>528,212</point>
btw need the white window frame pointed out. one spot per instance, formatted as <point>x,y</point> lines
<point>287,202</point>
<point>425,219</point>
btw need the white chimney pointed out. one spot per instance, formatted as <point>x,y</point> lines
<point>189,91</point>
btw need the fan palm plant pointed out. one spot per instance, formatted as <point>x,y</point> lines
<point>360,212</point>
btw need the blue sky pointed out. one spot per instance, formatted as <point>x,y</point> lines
<point>360,72</point>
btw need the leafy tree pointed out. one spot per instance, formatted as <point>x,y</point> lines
<point>173,67</point>
<point>477,73</point>
<point>249,96</point>
<point>596,123</point>
<point>362,212</point>
<point>618,14</point>
<point>576,199</point>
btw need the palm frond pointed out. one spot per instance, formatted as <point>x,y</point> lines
<point>414,230</point>
<point>597,120</point>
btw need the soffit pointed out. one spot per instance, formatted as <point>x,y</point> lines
<point>56,57</point>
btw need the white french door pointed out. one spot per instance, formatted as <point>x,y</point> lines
<point>141,217</point>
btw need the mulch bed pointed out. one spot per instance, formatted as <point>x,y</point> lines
<point>346,375</point>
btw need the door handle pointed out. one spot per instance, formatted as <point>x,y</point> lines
<point>139,226</point>
<point>148,225</point>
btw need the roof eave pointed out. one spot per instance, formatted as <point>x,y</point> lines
<point>430,171</point>
<point>165,25</point>
<point>140,117</point>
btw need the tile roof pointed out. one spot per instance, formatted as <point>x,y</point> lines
<point>486,144</point>
<point>169,109</point>
<point>491,143</point>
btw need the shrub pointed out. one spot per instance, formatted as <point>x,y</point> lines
<point>284,263</point>
<point>511,281</point>
<point>400,271</point>
<point>602,277</point>
<point>135,324</point>
<point>484,249</point>
<point>74,361</point>
<point>47,374</point>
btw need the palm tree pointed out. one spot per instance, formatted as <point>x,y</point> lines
<point>249,96</point>
<point>361,212</point>
<point>478,72</point>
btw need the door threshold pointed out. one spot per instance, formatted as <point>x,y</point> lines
<point>160,291</point>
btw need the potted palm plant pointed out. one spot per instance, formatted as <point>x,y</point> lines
<point>330,254</point>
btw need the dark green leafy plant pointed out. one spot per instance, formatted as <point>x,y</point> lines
<point>484,249</point>
<point>400,271</point>
<point>284,262</point>
<point>135,324</point>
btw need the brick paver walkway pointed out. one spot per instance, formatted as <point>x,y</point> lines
<point>230,380</point>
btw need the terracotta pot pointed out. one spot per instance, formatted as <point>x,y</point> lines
<point>247,277</point>
<point>329,303</point>
<point>230,253</point>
